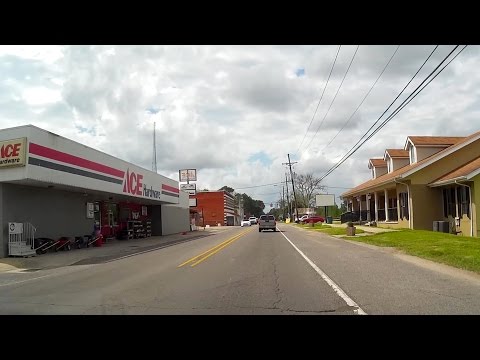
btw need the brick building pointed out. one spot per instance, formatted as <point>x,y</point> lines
<point>216,207</point>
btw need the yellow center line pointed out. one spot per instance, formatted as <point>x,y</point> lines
<point>217,250</point>
<point>211,249</point>
<point>198,258</point>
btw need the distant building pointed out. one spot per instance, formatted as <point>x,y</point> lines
<point>217,207</point>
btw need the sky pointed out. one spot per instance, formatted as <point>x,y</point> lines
<point>235,112</point>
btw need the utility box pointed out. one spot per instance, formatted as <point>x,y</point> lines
<point>441,226</point>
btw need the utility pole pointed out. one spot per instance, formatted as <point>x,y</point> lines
<point>283,202</point>
<point>293,184</point>
<point>288,199</point>
<point>154,160</point>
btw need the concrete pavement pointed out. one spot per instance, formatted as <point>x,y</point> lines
<point>369,230</point>
<point>111,250</point>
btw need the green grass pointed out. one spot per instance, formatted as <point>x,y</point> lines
<point>462,252</point>
<point>459,251</point>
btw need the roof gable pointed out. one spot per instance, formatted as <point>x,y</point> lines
<point>412,168</point>
<point>396,153</point>
<point>433,140</point>
<point>376,163</point>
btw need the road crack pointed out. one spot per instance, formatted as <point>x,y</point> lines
<point>278,291</point>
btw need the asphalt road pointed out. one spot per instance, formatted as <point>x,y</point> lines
<point>242,271</point>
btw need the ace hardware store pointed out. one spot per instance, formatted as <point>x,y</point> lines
<point>52,187</point>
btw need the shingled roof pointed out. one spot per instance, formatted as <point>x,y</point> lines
<point>377,163</point>
<point>460,172</point>
<point>434,140</point>
<point>397,153</point>
<point>410,169</point>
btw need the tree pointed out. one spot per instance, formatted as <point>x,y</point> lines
<point>305,188</point>
<point>333,211</point>
<point>277,212</point>
<point>227,188</point>
<point>252,207</point>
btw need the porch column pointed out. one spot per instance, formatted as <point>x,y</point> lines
<point>359,199</point>
<point>367,197</point>
<point>376,206</point>
<point>386,204</point>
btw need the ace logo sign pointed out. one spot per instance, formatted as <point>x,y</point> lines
<point>12,152</point>
<point>132,183</point>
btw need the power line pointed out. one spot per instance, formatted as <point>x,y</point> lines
<point>277,192</point>
<point>418,92</point>
<point>368,93</point>
<point>321,97</point>
<point>397,110</point>
<point>401,92</point>
<point>348,154</point>
<point>344,76</point>
<point>254,186</point>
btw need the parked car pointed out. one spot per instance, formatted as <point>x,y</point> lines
<point>303,217</point>
<point>253,220</point>
<point>245,223</point>
<point>313,219</point>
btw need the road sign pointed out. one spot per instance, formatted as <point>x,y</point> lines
<point>324,200</point>
<point>189,188</point>
<point>187,175</point>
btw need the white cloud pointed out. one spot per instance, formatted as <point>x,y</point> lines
<point>45,53</point>
<point>41,96</point>
<point>218,105</point>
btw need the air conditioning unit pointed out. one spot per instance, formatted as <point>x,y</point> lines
<point>441,226</point>
<point>444,226</point>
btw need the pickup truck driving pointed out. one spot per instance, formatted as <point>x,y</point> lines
<point>267,222</point>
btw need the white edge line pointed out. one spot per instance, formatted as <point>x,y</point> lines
<point>329,281</point>
<point>22,281</point>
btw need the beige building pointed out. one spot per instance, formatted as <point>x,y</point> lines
<point>431,179</point>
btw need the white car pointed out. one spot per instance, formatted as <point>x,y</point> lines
<point>253,220</point>
<point>245,223</point>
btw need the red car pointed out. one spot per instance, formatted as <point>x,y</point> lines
<point>313,219</point>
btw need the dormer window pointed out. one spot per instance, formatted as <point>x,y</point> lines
<point>413,158</point>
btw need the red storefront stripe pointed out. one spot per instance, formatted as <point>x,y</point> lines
<point>73,160</point>
<point>171,188</point>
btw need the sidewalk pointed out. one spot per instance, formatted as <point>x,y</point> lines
<point>370,229</point>
<point>109,251</point>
